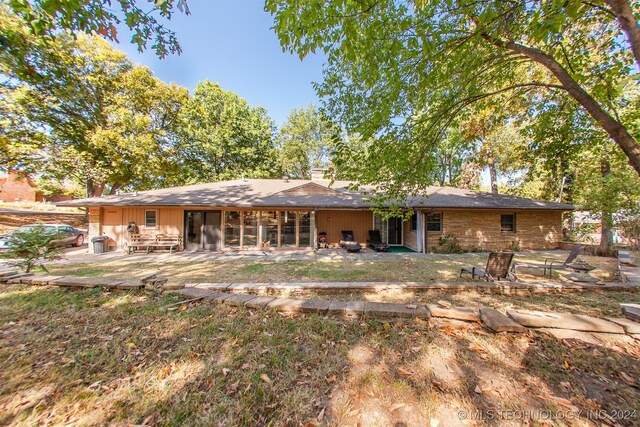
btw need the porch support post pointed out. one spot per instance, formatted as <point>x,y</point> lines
<point>420,243</point>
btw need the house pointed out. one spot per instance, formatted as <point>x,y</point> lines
<point>17,187</point>
<point>289,214</point>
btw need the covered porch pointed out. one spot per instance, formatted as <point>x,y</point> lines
<point>247,229</point>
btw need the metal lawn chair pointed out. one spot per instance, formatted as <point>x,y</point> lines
<point>497,267</point>
<point>551,264</point>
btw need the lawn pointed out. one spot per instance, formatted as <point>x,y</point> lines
<point>434,268</point>
<point>90,357</point>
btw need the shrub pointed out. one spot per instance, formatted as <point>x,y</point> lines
<point>449,244</point>
<point>629,227</point>
<point>32,247</point>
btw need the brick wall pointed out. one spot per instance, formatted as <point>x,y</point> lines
<point>17,188</point>
<point>481,229</point>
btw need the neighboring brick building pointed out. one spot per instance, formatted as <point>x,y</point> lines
<point>15,187</point>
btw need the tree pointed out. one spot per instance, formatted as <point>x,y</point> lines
<point>574,161</point>
<point>47,19</point>
<point>32,247</point>
<point>226,138</point>
<point>306,141</point>
<point>108,124</point>
<point>394,67</point>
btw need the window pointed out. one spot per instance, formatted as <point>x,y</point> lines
<point>270,230</point>
<point>508,223</point>
<point>413,223</point>
<point>305,226</point>
<point>232,228</point>
<point>150,218</point>
<point>287,228</point>
<point>250,230</point>
<point>434,221</point>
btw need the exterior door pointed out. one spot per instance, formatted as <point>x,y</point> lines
<point>202,230</point>
<point>394,231</point>
<point>211,230</point>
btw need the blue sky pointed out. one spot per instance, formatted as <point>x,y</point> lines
<point>231,42</point>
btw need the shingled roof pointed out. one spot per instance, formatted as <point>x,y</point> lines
<point>305,194</point>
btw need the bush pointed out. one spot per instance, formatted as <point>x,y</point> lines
<point>449,244</point>
<point>32,247</point>
<point>629,227</point>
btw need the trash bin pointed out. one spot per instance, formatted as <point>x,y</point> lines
<point>99,244</point>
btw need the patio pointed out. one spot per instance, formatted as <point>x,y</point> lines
<point>82,254</point>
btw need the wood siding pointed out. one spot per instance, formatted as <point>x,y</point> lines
<point>116,219</point>
<point>334,221</point>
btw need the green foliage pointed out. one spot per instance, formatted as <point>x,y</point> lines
<point>46,19</point>
<point>225,137</point>
<point>400,74</point>
<point>306,141</point>
<point>449,244</point>
<point>32,247</point>
<point>107,123</point>
<point>629,225</point>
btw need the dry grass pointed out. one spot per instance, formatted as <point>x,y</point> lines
<point>93,358</point>
<point>435,268</point>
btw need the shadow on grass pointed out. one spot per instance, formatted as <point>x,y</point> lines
<point>91,357</point>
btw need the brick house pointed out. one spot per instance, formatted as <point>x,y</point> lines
<point>288,214</point>
<point>16,187</point>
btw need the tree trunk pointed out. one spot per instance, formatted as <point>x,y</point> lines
<point>614,128</point>
<point>114,189</point>
<point>606,233</point>
<point>491,163</point>
<point>94,190</point>
<point>494,177</point>
<point>626,20</point>
<point>606,221</point>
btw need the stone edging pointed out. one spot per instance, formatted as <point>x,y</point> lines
<point>563,326</point>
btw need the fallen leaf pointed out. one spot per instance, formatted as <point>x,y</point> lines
<point>475,348</point>
<point>163,373</point>
<point>478,389</point>
<point>225,371</point>
<point>331,379</point>
<point>449,330</point>
<point>132,345</point>
<point>628,379</point>
<point>566,386</point>
<point>561,401</point>
<point>265,378</point>
<point>321,415</point>
<point>404,372</point>
<point>566,364</point>
<point>234,343</point>
<point>396,407</point>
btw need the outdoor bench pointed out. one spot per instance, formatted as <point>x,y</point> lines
<point>154,241</point>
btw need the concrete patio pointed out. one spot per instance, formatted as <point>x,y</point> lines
<point>81,254</point>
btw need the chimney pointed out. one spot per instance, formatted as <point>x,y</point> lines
<point>317,174</point>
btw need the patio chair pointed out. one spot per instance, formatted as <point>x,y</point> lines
<point>497,267</point>
<point>348,242</point>
<point>550,264</point>
<point>375,242</point>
